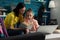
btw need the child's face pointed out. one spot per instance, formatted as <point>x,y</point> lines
<point>29,15</point>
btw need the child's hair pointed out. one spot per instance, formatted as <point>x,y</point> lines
<point>29,10</point>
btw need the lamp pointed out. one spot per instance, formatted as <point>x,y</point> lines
<point>51,4</point>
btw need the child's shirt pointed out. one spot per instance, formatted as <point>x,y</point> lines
<point>31,24</point>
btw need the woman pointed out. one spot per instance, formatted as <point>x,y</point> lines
<point>30,21</point>
<point>14,17</point>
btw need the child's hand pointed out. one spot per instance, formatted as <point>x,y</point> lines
<point>27,31</point>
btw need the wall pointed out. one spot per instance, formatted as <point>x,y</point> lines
<point>55,13</point>
<point>8,3</point>
<point>34,5</point>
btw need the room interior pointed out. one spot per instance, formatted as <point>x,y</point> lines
<point>49,16</point>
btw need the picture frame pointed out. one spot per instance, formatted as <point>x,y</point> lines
<point>27,1</point>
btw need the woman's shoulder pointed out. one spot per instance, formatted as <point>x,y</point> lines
<point>11,14</point>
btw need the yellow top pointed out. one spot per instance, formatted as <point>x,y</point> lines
<point>11,20</point>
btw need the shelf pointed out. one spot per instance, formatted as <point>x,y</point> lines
<point>2,15</point>
<point>3,10</point>
<point>41,1</point>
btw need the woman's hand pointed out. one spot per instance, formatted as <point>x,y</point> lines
<point>16,28</point>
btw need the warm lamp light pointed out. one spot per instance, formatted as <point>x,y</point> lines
<point>51,4</point>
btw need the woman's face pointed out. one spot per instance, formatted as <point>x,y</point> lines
<point>29,15</point>
<point>22,10</point>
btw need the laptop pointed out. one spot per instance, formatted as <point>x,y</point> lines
<point>47,28</point>
<point>43,29</point>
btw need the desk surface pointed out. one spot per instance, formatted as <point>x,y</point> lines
<point>50,36</point>
<point>53,35</point>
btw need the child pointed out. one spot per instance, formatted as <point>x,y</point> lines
<point>30,21</point>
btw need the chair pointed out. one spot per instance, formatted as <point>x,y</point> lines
<point>53,22</point>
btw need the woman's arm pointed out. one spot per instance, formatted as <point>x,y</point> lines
<point>13,28</point>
